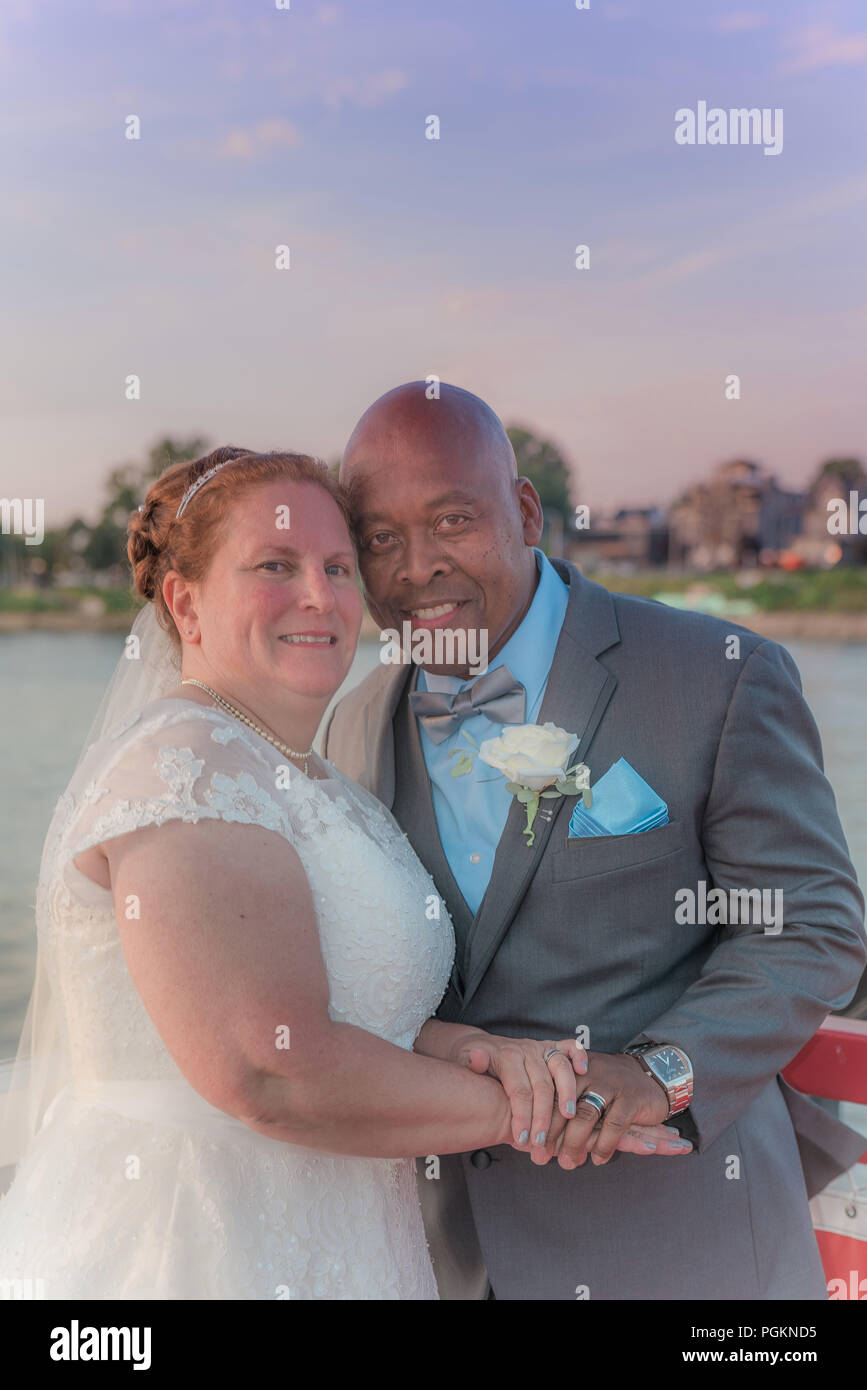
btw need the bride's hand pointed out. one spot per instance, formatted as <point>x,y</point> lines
<point>540,1089</point>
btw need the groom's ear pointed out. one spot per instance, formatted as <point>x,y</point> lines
<point>532,516</point>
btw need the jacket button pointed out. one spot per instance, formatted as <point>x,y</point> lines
<point>481,1159</point>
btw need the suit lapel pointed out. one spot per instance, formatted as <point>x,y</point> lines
<point>576,698</point>
<point>378,732</point>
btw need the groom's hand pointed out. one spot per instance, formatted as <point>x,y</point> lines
<point>632,1098</point>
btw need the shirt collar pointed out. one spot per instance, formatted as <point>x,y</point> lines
<point>529,651</point>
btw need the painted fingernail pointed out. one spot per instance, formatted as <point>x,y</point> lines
<point>683,1144</point>
<point>523,1136</point>
<point>541,1136</point>
<point>671,1129</point>
<point>570,1107</point>
<point>648,1144</point>
<point>582,1065</point>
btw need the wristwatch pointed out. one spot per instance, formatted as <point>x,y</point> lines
<point>670,1066</point>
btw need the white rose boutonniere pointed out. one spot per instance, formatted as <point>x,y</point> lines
<point>535,760</point>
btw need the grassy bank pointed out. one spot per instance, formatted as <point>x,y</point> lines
<point>767,591</point>
<point>67,610</point>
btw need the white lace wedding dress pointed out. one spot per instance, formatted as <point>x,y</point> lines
<point>135,1186</point>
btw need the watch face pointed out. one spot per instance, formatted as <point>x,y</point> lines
<point>668,1065</point>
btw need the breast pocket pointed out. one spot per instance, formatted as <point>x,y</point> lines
<point>589,856</point>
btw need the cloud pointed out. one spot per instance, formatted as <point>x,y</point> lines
<point>258,141</point>
<point>738,22</point>
<point>326,14</point>
<point>366,92</point>
<point>16,13</point>
<point>822,46</point>
<point>759,234</point>
<point>693,263</point>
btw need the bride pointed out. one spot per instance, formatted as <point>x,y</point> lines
<point>229,1059</point>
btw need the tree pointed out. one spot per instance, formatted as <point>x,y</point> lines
<point>849,471</point>
<point>169,451</point>
<point>541,461</point>
<point>126,488</point>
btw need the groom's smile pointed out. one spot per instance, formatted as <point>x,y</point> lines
<point>433,615</point>
<point>444,526</point>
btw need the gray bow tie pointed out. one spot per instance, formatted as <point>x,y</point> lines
<point>496,694</point>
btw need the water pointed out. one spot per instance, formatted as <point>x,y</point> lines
<point>51,684</point>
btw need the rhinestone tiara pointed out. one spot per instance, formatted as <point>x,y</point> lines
<point>200,482</point>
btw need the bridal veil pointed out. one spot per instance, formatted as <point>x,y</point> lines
<point>148,667</point>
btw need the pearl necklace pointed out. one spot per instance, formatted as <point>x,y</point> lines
<point>283,747</point>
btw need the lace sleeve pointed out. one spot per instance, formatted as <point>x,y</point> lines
<point>186,762</point>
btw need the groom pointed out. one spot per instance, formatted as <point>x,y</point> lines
<point>583,935</point>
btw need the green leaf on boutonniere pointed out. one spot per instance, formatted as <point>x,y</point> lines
<point>526,794</point>
<point>462,766</point>
<point>549,791</point>
<point>587,798</point>
<point>470,739</point>
<point>513,787</point>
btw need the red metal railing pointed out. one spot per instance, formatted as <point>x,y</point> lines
<point>833,1064</point>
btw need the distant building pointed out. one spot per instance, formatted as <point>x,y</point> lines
<point>738,517</point>
<point>633,538</point>
<point>816,545</point>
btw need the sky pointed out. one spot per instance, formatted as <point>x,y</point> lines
<point>305,127</point>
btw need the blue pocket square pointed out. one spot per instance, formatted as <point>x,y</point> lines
<point>623,804</point>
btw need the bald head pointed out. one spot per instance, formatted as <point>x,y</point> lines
<point>406,424</point>
<point>445,526</point>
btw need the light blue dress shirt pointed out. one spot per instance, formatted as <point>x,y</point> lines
<point>471,810</point>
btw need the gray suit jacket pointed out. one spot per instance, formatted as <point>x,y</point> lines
<point>583,932</point>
